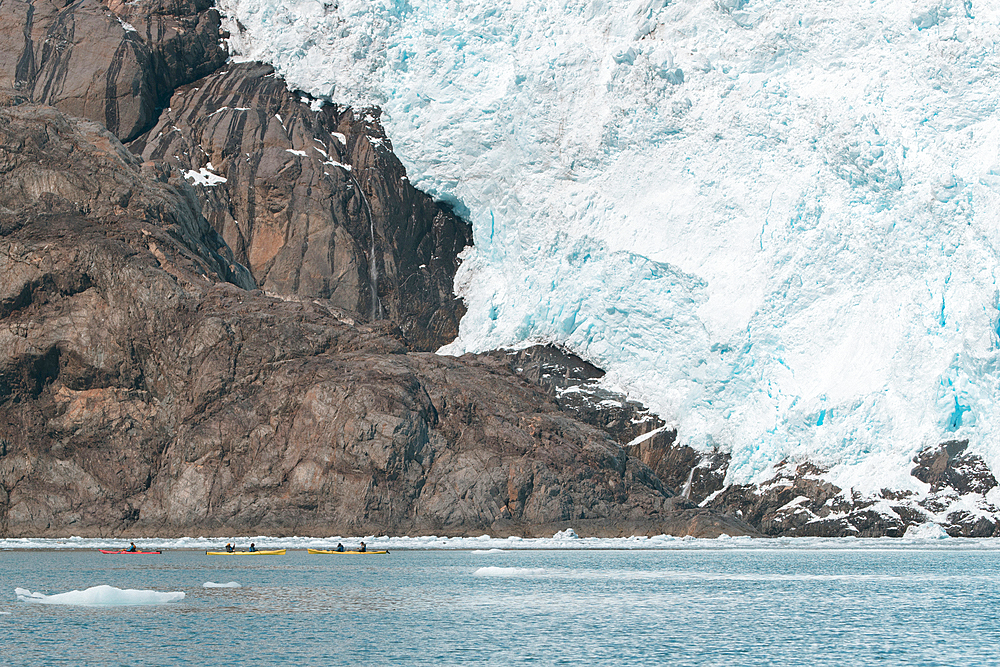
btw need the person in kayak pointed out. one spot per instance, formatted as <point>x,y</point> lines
<point>230,548</point>
<point>131,548</point>
<point>340,547</point>
<point>362,547</point>
<point>252,548</point>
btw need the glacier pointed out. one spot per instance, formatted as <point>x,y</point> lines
<point>773,222</point>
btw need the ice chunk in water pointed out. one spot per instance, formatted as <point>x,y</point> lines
<point>926,531</point>
<point>212,584</point>
<point>100,596</point>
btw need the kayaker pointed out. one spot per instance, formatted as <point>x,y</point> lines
<point>252,547</point>
<point>131,548</point>
<point>230,548</point>
<point>362,547</point>
<point>340,547</point>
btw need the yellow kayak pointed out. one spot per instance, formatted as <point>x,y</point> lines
<point>362,553</point>
<point>259,552</point>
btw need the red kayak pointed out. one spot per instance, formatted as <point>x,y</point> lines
<point>123,551</point>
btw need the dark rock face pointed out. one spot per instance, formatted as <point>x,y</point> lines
<point>951,466</point>
<point>314,202</point>
<point>91,62</point>
<point>142,389</point>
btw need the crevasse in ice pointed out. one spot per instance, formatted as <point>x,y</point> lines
<point>773,221</point>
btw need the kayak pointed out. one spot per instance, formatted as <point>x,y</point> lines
<point>259,552</point>
<point>123,551</point>
<point>361,553</point>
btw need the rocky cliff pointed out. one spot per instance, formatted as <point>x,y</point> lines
<point>312,200</point>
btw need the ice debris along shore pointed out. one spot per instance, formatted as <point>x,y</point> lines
<point>101,596</point>
<point>773,222</point>
<point>923,536</point>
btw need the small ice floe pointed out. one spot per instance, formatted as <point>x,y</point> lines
<point>212,584</point>
<point>489,551</point>
<point>4,613</point>
<point>101,596</point>
<point>205,176</point>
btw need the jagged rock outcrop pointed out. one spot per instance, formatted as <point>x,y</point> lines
<point>115,64</point>
<point>312,200</point>
<point>143,390</point>
<point>574,385</point>
<point>796,500</point>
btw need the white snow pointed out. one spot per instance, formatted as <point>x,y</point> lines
<point>295,152</point>
<point>212,584</point>
<point>775,222</point>
<point>645,436</point>
<point>205,176</point>
<point>334,163</point>
<point>100,596</point>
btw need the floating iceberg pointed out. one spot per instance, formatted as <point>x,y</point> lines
<point>212,584</point>
<point>775,223</point>
<point>100,596</point>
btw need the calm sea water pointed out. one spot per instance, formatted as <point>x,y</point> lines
<point>733,606</point>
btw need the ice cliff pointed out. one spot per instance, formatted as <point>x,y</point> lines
<point>774,222</point>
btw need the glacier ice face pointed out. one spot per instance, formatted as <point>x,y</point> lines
<point>774,222</point>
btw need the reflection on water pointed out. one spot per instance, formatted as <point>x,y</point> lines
<point>725,606</point>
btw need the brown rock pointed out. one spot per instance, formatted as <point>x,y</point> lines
<point>314,202</point>
<point>88,61</point>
